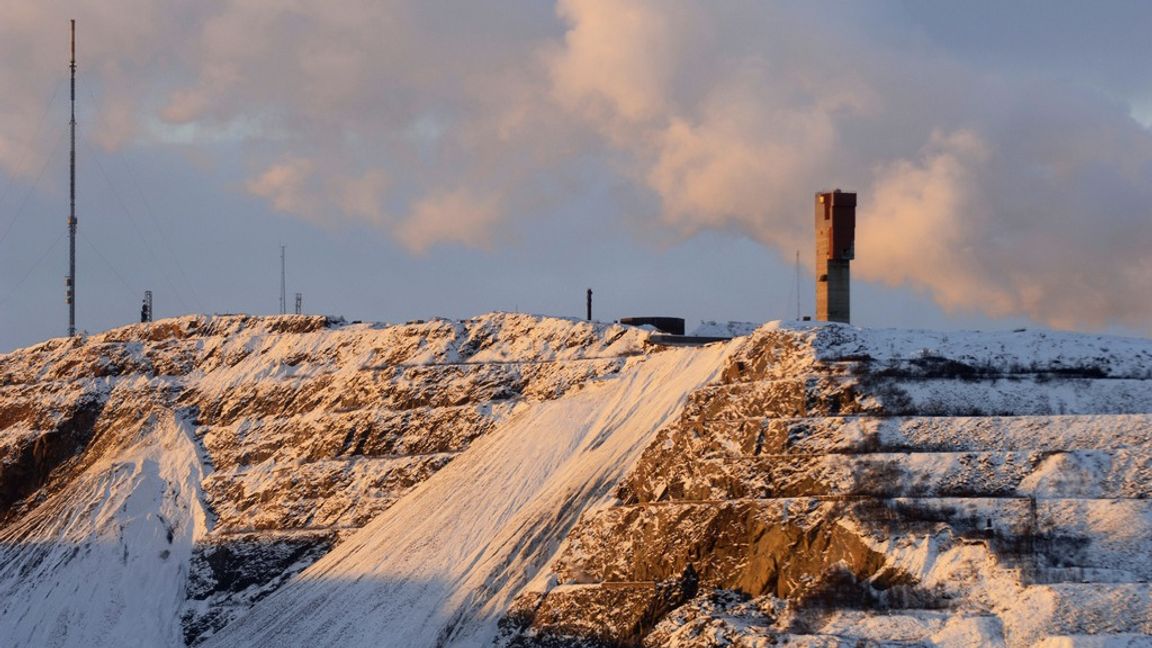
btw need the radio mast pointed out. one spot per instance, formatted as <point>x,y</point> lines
<point>70,280</point>
<point>283,295</point>
<point>797,284</point>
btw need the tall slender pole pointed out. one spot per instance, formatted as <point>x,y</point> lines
<point>589,304</point>
<point>797,284</point>
<point>71,282</point>
<point>283,295</point>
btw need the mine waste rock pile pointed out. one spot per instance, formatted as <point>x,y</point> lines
<point>843,487</point>
<point>199,463</point>
<point>524,481</point>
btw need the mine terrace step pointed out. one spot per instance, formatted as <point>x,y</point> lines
<point>853,434</point>
<point>751,437</point>
<point>1080,609</point>
<point>273,533</point>
<point>1123,473</point>
<point>474,363</point>
<point>1069,534</point>
<point>1129,640</point>
<point>835,395</point>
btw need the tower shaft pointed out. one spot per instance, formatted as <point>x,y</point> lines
<point>70,281</point>
<point>835,249</point>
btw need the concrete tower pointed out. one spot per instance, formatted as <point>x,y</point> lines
<point>835,248</point>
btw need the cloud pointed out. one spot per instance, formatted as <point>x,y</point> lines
<point>459,216</point>
<point>285,185</point>
<point>124,48</point>
<point>363,196</point>
<point>994,187</point>
<point>618,60</point>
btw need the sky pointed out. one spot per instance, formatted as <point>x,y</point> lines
<point>424,158</point>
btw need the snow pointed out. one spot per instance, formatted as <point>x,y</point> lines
<point>975,631</point>
<point>442,565</point>
<point>1019,351</point>
<point>1080,608</point>
<point>710,328</point>
<point>103,558</point>
<point>1097,641</point>
<point>102,563</point>
<point>1025,397</point>
<point>1080,432</point>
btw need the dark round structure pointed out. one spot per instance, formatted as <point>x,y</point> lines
<point>670,325</point>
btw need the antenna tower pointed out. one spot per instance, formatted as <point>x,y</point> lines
<point>70,280</point>
<point>283,295</point>
<point>797,284</point>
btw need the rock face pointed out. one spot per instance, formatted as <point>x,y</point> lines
<point>523,481</point>
<point>839,486</point>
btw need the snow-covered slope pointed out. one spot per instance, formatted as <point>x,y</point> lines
<point>103,562</point>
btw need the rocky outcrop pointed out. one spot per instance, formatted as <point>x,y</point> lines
<point>38,439</point>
